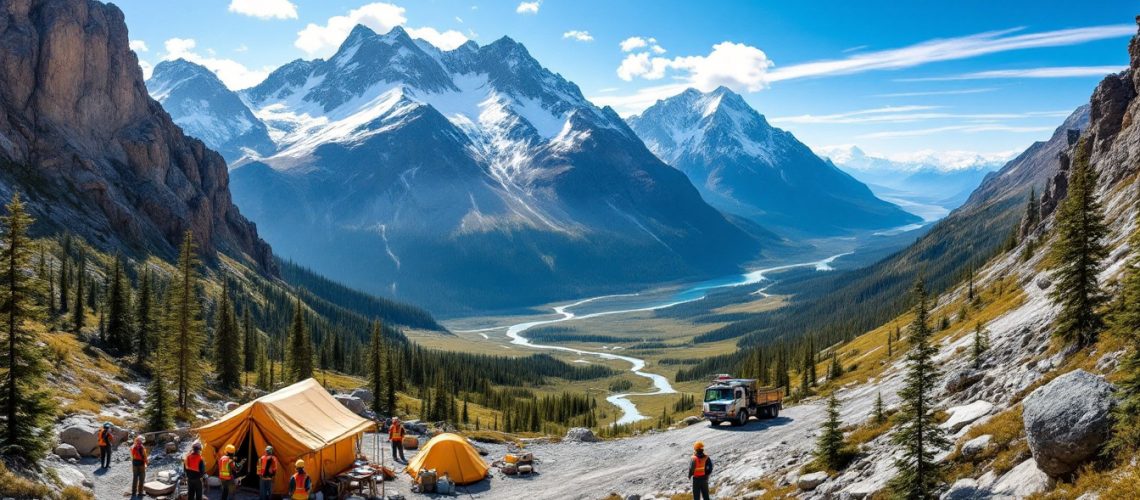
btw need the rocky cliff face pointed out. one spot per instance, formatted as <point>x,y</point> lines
<point>81,138</point>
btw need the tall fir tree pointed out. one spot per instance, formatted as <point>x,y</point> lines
<point>185,326</point>
<point>300,346</point>
<point>1078,254</point>
<point>880,411</point>
<point>376,369</point>
<point>835,370</point>
<point>1032,210</point>
<point>248,343</point>
<point>919,437</point>
<point>64,283</point>
<point>227,345</point>
<point>159,409</point>
<point>146,327</point>
<point>1125,325</point>
<point>263,367</point>
<point>119,335</point>
<point>390,380</point>
<point>25,401</point>
<point>829,444</point>
<point>981,344</point>
<point>78,316</point>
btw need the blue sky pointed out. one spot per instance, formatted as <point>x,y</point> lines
<point>892,77</point>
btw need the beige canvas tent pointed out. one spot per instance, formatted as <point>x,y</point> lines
<point>300,421</point>
<point>450,454</point>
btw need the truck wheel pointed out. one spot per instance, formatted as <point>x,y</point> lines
<point>714,423</point>
<point>742,419</point>
<point>775,411</point>
<point>766,412</point>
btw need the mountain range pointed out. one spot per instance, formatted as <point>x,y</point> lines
<point>745,166</point>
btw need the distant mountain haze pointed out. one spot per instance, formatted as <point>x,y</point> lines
<point>743,165</point>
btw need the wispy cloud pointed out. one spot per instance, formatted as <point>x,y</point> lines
<point>138,46</point>
<point>910,114</point>
<point>856,48</point>
<point>966,129</point>
<point>1051,72</point>
<point>323,40</point>
<point>264,9</point>
<point>937,92</point>
<point>578,35</point>
<point>527,7</point>
<point>232,73</point>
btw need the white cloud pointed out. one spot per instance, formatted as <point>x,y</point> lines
<point>735,65</point>
<point>232,73</point>
<point>318,40</point>
<point>147,69</point>
<point>138,46</point>
<point>636,42</point>
<point>579,35</point>
<point>909,114</point>
<point>936,92</point>
<point>265,9</point>
<point>967,129</point>
<point>459,19</point>
<point>242,48</point>
<point>528,7</point>
<point>1053,72</point>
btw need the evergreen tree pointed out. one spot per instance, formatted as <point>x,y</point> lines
<point>77,315</point>
<point>227,345</point>
<point>263,367</point>
<point>465,416</point>
<point>390,382</point>
<point>185,326</point>
<point>300,347</point>
<point>880,412</point>
<point>1077,255</point>
<point>1125,324</point>
<point>981,344</point>
<point>64,283</point>
<point>829,444</point>
<point>159,409</point>
<point>836,369</point>
<point>970,287</point>
<point>26,404</point>
<point>919,436</point>
<point>119,334</point>
<point>146,328</point>
<point>248,343</point>
<point>1032,210</point>
<point>891,342</point>
<point>376,370</point>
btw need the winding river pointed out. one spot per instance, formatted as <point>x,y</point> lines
<point>631,304</point>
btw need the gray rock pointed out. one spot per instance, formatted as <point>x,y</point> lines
<point>353,404</point>
<point>416,426</point>
<point>580,435</point>
<point>808,482</point>
<point>965,489</point>
<point>66,451</point>
<point>691,419</point>
<point>1023,480</point>
<point>364,395</point>
<point>1067,421</point>
<point>633,497</point>
<point>975,446</point>
<point>961,416</point>
<point>132,396</point>
<point>231,406</point>
<point>68,475</point>
<point>1044,283</point>
<point>754,494</point>
<point>961,379</point>
<point>82,437</point>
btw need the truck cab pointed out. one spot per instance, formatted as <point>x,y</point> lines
<point>738,400</point>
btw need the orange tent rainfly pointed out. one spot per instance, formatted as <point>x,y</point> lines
<point>452,455</point>
<point>301,421</point>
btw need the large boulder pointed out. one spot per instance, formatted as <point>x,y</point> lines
<point>808,482</point>
<point>415,426</point>
<point>353,404</point>
<point>66,451</point>
<point>82,437</point>
<point>364,395</point>
<point>1067,421</point>
<point>1023,480</point>
<point>580,435</point>
<point>961,416</point>
<point>961,379</point>
<point>965,489</point>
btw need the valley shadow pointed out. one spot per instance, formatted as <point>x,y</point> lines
<point>753,425</point>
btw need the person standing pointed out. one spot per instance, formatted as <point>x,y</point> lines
<point>266,471</point>
<point>227,472</point>
<point>396,436</point>
<point>300,484</point>
<point>195,469</point>
<point>139,461</point>
<point>700,468</point>
<point>106,441</point>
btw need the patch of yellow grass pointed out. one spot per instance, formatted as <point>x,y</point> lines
<point>1007,448</point>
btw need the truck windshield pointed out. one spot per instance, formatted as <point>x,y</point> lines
<point>718,394</point>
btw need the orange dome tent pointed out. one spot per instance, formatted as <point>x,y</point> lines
<point>452,455</point>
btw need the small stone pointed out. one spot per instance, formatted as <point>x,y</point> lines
<point>580,435</point>
<point>67,451</point>
<point>961,416</point>
<point>975,446</point>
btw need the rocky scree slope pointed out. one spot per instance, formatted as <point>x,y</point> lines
<point>84,142</point>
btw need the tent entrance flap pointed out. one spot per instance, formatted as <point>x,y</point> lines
<point>247,451</point>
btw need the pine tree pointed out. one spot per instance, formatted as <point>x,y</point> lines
<point>26,403</point>
<point>829,444</point>
<point>1125,324</point>
<point>248,343</point>
<point>836,369</point>
<point>981,344</point>
<point>891,342</point>
<point>300,347</point>
<point>146,329</point>
<point>919,436</point>
<point>390,382</point>
<point>376,370</point>
<point>185,326</point>
<point>227,345</point>
<point>465,416</point>
<point>880,412</point>
<point>263,365</point>
<point>64,283</point>
<point>119,334</point>
<point>970,287</point>
<point>77,315</point>
<point>1077,256</point>
<point>159,409</point>
<point>1032,210</point>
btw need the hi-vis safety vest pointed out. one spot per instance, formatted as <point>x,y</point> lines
<point>193,462</point>
<point>225,468</point>
<point>104,437</point>
<point>300,490</point>
<point>267,466</point>
<point>699,465</point>
<point>138,453</point>
<point>396,431</point>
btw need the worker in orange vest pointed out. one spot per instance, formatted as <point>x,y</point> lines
<point>195,469</point>
<point>300,484</point>
<point>106,441</point>
<point>396,436</point>
<point>139,460</point>
<point>266,471</point>
<point>700,468</point>
<point>228,469</point>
